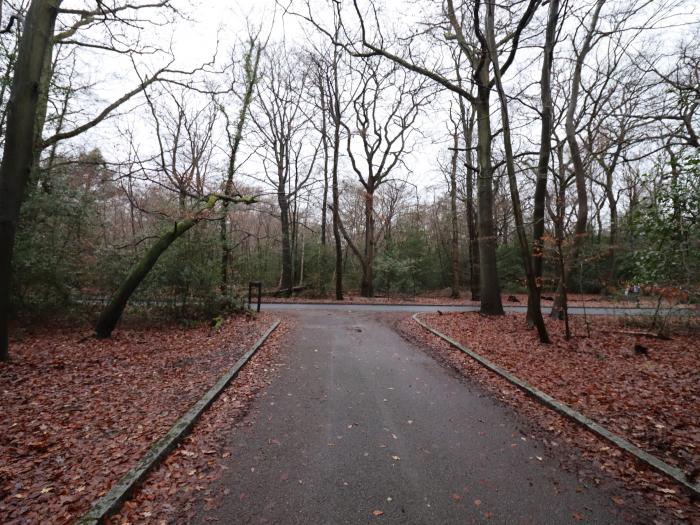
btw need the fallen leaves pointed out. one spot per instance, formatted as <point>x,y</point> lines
<point>651,400</point>
<point>377,513</point>
<point>78,414</point>
<point>168,492</point>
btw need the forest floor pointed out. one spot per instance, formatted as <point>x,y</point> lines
<point>651,399</point>
<point>443,298</point>
<point>79,412</point>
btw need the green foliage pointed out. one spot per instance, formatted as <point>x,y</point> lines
<point>70,252</point>
<point>409,264</point>
<point>665,229</point>
<point>52,250</point>
<point>510,268</point>
<point>395,274</point>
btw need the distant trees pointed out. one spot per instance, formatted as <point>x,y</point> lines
<point>386,106</point>
<point>596,120</point>
<point>573,157</point>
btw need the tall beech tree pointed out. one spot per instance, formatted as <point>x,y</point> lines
<point>283,122</point>
<point>24,106</point>
<point>336,115</point>
<point>467,122</point>
<point>533,287</point>
<point>577,160</point>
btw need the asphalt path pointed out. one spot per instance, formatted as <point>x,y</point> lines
<point>362,426</point>
<point>419,308</point>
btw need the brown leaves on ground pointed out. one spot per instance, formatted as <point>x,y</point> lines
<point>181,487</point>
<point>77,414</point>
<point>652,400</point>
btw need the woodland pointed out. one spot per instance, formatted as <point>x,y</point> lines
<point>160,155</point>
<point>472,147</point>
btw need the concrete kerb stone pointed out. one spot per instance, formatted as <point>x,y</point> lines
<point>122,489</point>
<point>657,464</point>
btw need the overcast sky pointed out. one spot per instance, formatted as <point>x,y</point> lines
<point>221,24</point>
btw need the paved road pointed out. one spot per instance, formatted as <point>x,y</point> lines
<point>360,420</point>
<point>413,308</point>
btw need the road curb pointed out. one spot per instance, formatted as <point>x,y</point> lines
<point>122,489</point>
<point>657,464</point>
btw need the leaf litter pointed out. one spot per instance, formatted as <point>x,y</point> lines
<point>79,413</point>
<point>653,400</point>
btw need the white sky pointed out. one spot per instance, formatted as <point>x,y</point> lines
<point>212,25</point>
<point>194,42</point>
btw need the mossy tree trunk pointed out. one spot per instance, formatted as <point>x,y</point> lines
<point>252,62</point>
<point>113,311</point>
<point>24,105</point>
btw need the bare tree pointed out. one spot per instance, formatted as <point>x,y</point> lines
<point>460,27</point>
<point>384,111</point>
<point>534,308</point>
<point>251,62</point>
<point>454,219</point>
<point>591,31</point>
<point>283,124</point>
<point>336,115</point>
<point>185,165</point>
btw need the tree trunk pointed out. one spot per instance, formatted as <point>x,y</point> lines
<point>468,130</point>
<point>612,248</point>
<point>334,190</point>
<point>252,61</point>
<point>322,267</point>
<point>301,262</point>
<point>453,219</point>
<point>559,307</point>
<point>286,282</point>
<point>534,305</point>
<point>490,288</point>
<point>225,253</point>
<point>367,285</point>
<point>576,158</point>
<point>35,45</point>
<point>113,311</point>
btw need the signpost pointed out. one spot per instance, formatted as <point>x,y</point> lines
<point>251,285</point>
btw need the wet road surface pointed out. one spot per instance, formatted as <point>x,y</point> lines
<point>360,420</point>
